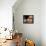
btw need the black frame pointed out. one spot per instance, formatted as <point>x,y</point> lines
<point>25,18</point>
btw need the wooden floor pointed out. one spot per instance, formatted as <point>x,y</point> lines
<point>9,43</point>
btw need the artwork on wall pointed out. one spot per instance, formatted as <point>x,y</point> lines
<point>28,19</point>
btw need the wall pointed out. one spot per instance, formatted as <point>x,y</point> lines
<point>43,22</point>
<point>28,7</point>
<point>6,13</point>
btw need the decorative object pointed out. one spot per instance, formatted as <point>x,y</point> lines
<point>28,19</point>
<point>29,43</point>
<point>18,39</point>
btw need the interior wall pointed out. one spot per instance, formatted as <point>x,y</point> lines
<point>43,22</point>
<point>30,31</point>
<point>6,13</point>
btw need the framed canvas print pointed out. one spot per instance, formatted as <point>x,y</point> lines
<point>28,19</point>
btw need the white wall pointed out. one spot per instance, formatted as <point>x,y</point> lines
<point>29,7</point>
<point>6,13</point>
<point>43,22</point>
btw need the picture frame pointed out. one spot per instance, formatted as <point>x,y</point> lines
<point>28,19</point>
